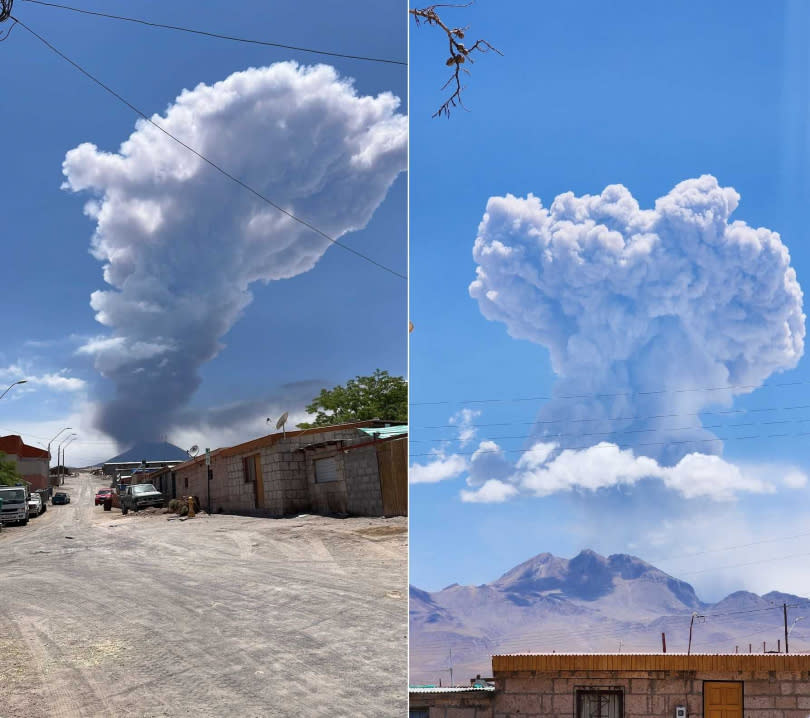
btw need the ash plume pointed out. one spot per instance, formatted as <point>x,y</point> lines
<point>181,244</point>
<point>644,312</point>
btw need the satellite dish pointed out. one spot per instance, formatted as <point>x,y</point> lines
<point>193,450</point>
<point>280,423</point>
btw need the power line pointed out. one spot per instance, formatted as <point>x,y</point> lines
<point>613,395</point>
<point>728,548</point>
<point>646,443</point>
<point>657,430</point>
<point>719,412</point>
<point>219,169</point>
<point>219,36</point>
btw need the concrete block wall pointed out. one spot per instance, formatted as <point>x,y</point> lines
<point>237,494</point>
<point>651,694</point>
<point>284,480</point>
<point>362,477</point>
<point>288,477</point>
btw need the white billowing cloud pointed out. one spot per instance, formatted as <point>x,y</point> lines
<point>635,304</point>
<point>464,420</point>
<point>55,381</point>
<point>440,468</point>
<point>59,382</point>
<point>181,244</point>
<point>546,469</point>
<point>488,463</point>
<point>492,491</point>
<point>598,467</point>
<point>795,479</point>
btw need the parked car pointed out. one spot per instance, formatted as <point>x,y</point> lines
<point>140,496</point>
<point>60,497</point>
<point>102,495</point>
<point>35,505</point>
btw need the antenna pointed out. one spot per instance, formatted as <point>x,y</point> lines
<point>192,452</point>
<point>281,422</point>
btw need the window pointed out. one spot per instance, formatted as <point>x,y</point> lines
<point>600,703</point>
<point>249,469</point>
<point>325,470</point>
<point>186,482</point>
<point>419,713</point>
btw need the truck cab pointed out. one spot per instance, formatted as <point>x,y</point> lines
<point>14,505</point>
<point>140,496</point>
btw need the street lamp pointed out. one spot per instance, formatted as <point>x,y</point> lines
<point>67,428</point>
<point>67,443</point>
<point>21,381</point>
<point>58,448</point>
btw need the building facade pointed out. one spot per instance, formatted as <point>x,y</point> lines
<point>632,686</point>
<point>356,469</point>
<point>31,462</point>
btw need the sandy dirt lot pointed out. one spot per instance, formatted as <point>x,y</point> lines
<point>110,615</point>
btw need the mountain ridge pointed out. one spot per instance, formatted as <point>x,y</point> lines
<point>589,603</point>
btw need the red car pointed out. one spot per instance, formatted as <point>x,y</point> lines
<point>101,495</point>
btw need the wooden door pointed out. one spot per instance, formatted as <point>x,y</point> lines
<point>722,699</point>
<point>392,465</point>
<point>259,482</point>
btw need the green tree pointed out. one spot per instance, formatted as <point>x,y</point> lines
<point>8,471</point>
<point>379,396</point>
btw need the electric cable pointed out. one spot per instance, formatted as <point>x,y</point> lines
<point>647,443</point>
<point>657,430</point>
<point>613,395</point>
<point>718,412</point>
<point>217,167</point>
<point>216,35</point>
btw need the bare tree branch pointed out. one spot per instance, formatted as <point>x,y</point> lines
<point>459,53</point>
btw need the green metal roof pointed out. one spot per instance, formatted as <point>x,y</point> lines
<point>386,432</point>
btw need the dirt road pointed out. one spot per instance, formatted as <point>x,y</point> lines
<point>110,615</point>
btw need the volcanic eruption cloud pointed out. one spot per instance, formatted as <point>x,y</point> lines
<point>181,244</point>
<point>645,312</point>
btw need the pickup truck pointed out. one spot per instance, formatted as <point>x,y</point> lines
<point>15,505</point>
<point>140,496</point>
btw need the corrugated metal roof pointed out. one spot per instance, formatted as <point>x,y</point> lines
<point>270,439</point>
<point>386,432</point>
<point>705,662</point>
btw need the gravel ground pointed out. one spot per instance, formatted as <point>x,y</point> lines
<point>110,615</point>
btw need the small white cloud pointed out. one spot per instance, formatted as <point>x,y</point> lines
<point>464,420</point>
<point>441,468</point>
<point>493,491</point>
<point>795,479</point>
<point>55,381</point>
<point>488,462</point>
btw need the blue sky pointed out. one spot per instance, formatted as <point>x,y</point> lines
<point>306,328</point>
<point>586,96</point>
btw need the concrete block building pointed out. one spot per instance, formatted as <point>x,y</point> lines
<point>663,685</point>
<point>31,462</point>
<point>358,469</point>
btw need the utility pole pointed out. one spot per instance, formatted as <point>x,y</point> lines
<point>784,608</point>
<point>210,475</point>
<point>691,623</point>
<point>664,641</point>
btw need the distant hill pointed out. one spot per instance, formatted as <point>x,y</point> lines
<point>151,451</point>
<point>589,603</point>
